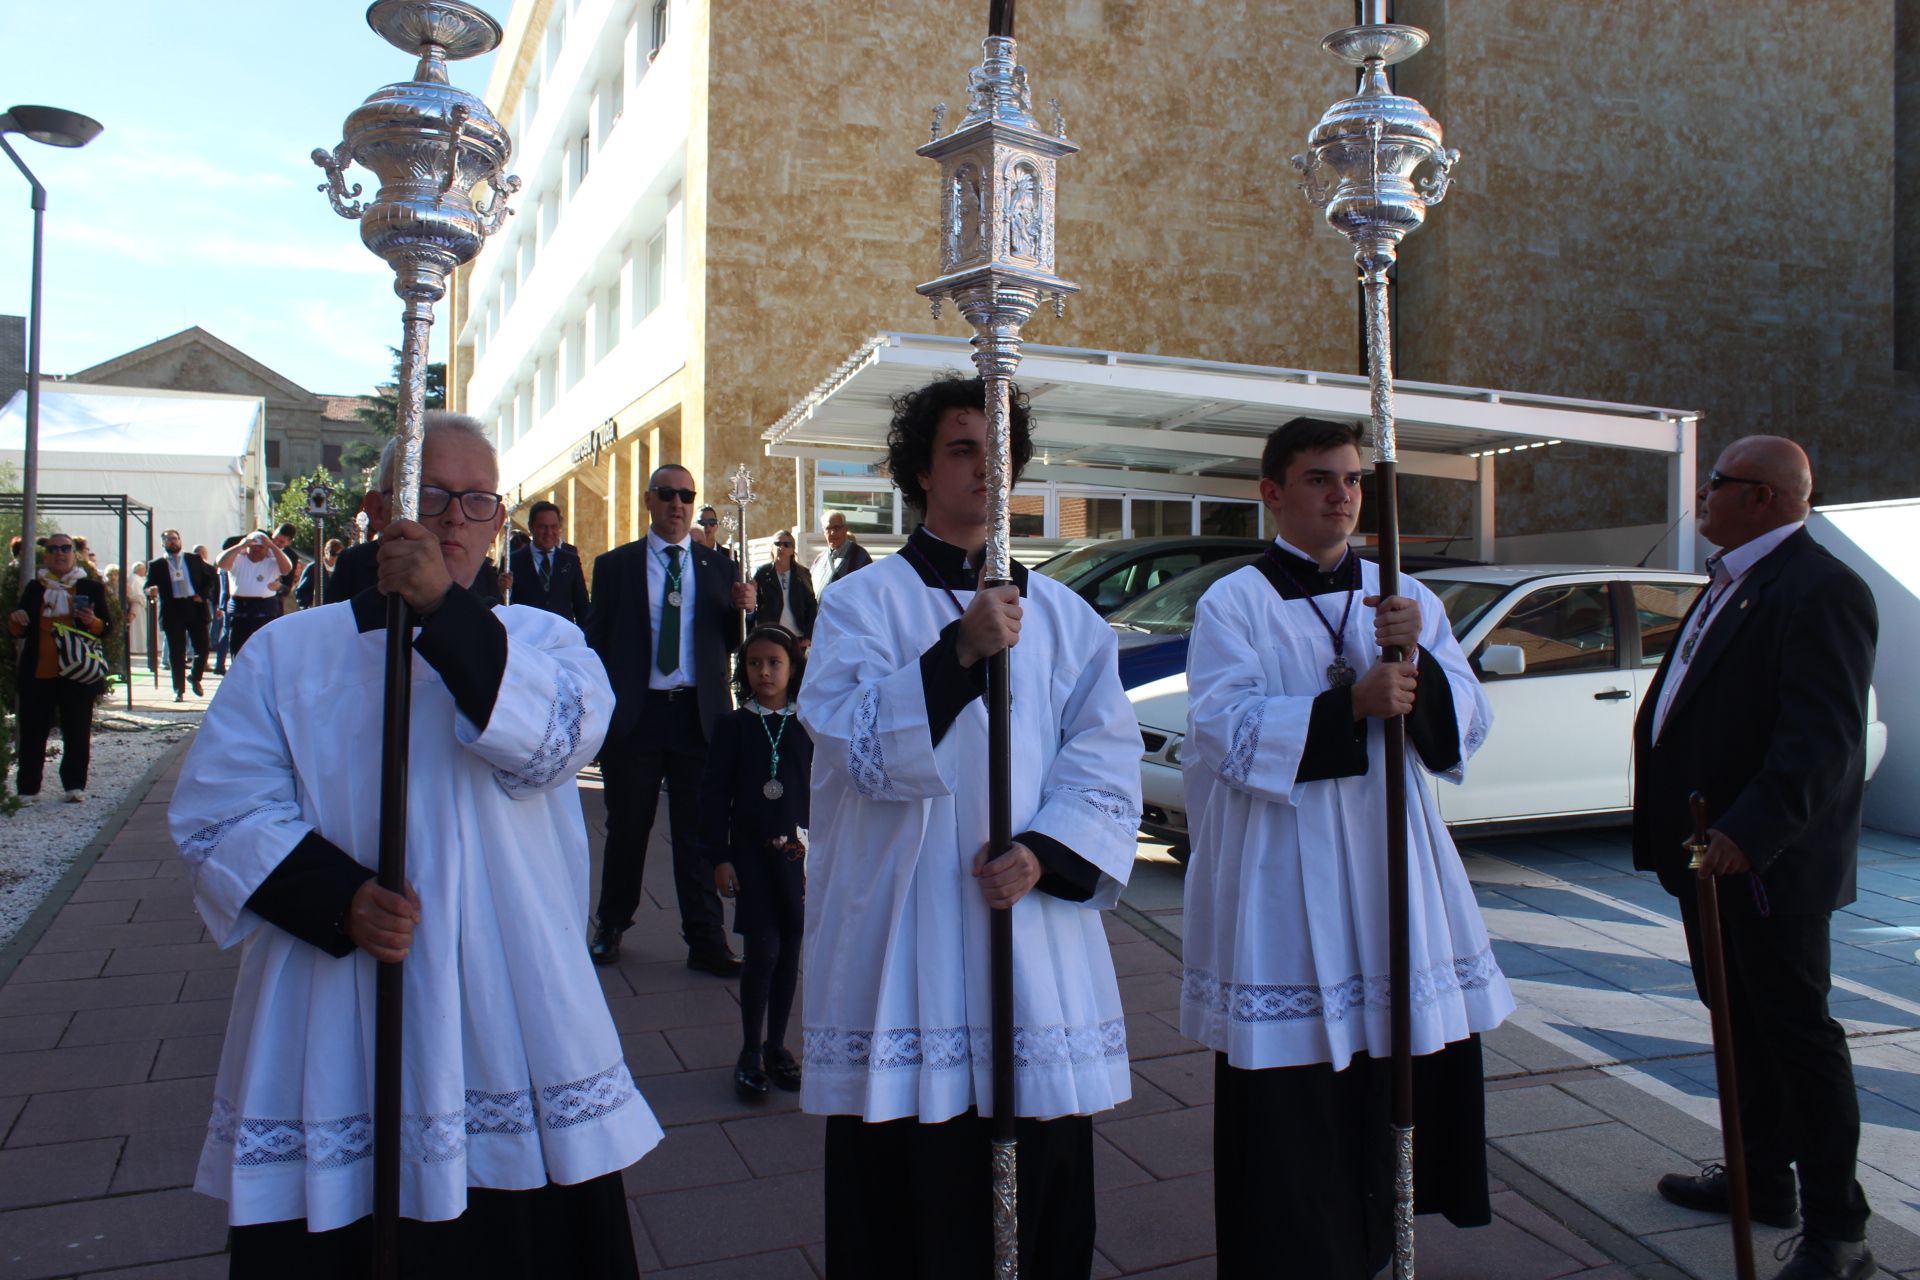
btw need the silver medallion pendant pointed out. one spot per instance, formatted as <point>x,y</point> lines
<point>1339,674</point>
<point>773,789</point>
<point>673,598</point>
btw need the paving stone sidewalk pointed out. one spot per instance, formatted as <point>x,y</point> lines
<point>110,1029</point>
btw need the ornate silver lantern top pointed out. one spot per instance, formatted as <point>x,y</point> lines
<point>1370,145</point>
<point>997,186</point>
<point>741,493</point>
<point>430,144</point>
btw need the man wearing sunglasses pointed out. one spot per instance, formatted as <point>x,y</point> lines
<point>1762,708</point>
<point>666,611</point>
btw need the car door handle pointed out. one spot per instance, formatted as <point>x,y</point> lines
<point>1612,695</point>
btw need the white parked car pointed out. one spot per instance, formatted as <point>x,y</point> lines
<point>1566,655</point>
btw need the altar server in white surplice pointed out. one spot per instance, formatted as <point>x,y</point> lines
<point>1286,903</point>
<point>896,1040</point>
<point>519,1111</point>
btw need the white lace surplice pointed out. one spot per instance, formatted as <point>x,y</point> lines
<point>514,1073</point>
<point>896,971</point>
<point>1286,900</point>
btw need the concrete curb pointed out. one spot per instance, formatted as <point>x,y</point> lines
<point>36,924</point>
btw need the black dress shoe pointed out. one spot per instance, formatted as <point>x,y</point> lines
<point>721,964</point>
<point>179,697</point>
<point>783,1070</point>
<point>749,1081</point>
<point>605,947</point>
<point>198,692</point>
<point>1707,1192</point>
<point>1817,1258</point>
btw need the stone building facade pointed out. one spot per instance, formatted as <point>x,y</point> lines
<point>304,430</point>
<point>1633,222</point>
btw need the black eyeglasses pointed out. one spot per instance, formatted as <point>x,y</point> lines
<point>1715,479</point>
<point>475,504</point>
<point>667,493</point>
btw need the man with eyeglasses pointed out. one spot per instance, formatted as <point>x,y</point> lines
<point>546,571</point>
<point>357,567</point>
<point>841,556</point>
<point>521,1112</point>
<point>666,613</point>
<point>1762,708</point>
<point>255,566</point>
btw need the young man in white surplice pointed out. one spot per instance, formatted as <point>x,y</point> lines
<point>896,1041</point>
<point>519,1111</point>
<point>1286,914</point>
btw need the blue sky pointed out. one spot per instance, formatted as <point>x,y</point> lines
<point>198,205</point>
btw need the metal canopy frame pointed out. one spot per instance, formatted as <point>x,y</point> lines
<point>126,508</point>
<point>1138,421</point>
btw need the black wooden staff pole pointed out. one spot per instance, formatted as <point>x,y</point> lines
<point>1707,889</point>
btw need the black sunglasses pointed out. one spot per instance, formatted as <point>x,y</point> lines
<point>784,546</point>
<point>708,523</point>
<point>667,493</point>
<point>58,546</point>
<point>1715,479</point>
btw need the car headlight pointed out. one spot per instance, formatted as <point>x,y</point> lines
<point>1173,750</point>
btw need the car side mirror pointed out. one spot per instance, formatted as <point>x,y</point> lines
<point>1503,660</point>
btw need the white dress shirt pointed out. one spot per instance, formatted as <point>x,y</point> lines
<point>786,602</point>
<point>682,676</point>
<point>1725,572</point>
<point>823,566</point>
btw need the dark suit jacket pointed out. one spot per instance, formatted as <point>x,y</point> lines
<point>568,594</point>
<point>1770,726</point>
<point>766,581</point>
<point>620,629</point>
<point>201,574</point>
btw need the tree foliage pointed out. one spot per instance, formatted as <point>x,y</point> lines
<point>382,413</point>
<point>291,508</point>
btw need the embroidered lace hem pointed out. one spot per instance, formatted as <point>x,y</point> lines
<point>1293,1002</point>
<point>424,1138</point>
<point>952,1048</point>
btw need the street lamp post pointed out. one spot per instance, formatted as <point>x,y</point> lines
<point>56,128</point>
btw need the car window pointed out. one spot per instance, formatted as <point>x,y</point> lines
<point>1069,565</point>
<point>1464,602</point>
<point>1116,588</point>
<point>1171,609</point>
<point>1660,607</point>
<point>1562,629</point>
<point>1161,570</point>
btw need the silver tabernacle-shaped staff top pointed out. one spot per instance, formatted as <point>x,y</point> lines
<point>742,496</point>
<point>430,145</point>
<point>996,241</point>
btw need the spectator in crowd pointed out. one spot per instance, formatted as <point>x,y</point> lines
<point>256,564</point>
<point>841,556</point>
<point>283,540</point>
<point>13,550</point>
<point>785,597</point>
<point>547,574</point>
<point>221,632</point>
<point>329,557</point>
<point>665,614</point>
<point>62,595</point>
<point>184,585</point>
<point>137,607</point>
<point>84,554</point>
<point>706,529</point>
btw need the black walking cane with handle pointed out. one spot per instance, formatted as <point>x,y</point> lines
<point>1708,891</point>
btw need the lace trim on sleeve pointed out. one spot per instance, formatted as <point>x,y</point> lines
<point>558,743</point>
<point>866,762</point>
<point>201,844</point>
<point>1115,808</point>
<point>1246,744</point>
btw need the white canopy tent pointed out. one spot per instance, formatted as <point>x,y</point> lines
<point>198,459</point>
<point>1143,422</point>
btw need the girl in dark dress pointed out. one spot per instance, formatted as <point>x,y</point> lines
<point>753,802</point>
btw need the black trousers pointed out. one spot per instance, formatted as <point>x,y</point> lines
<point>42,702</point>
<point>184,622</point>
<point>579,1231</point>
<point>912,1199</point>
<point>250,613</point>
<point>1797,1100</point>
<point>669,744</point>
<point>1303,1161</point>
